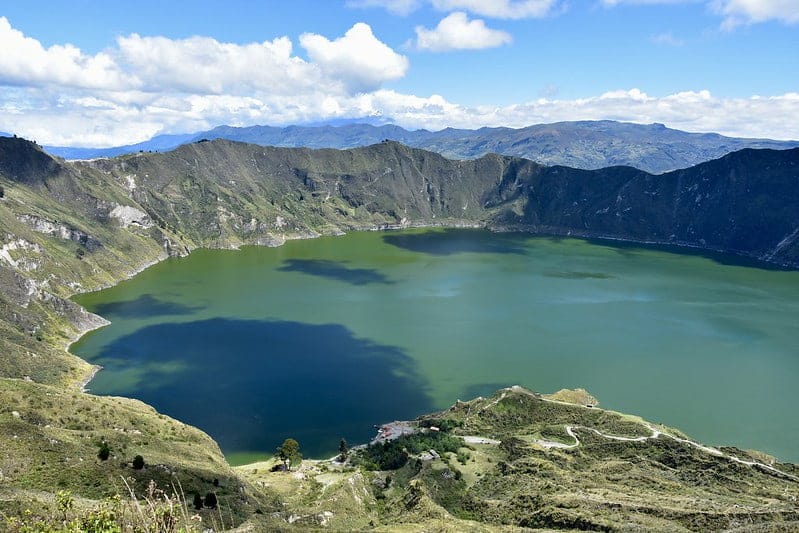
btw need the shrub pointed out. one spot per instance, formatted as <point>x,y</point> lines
<point>210,500</point>
<point>104,452</point>
<point>393,454</point>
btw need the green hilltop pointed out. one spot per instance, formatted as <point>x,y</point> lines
<point>70,227</point>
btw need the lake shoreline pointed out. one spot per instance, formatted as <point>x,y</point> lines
<point>488,244</point>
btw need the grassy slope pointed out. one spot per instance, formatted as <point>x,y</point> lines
<point>659,484</point>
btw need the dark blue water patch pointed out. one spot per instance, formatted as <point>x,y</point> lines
<point>457,241</point>
<point>250,384</point>
<point>143,306</point>
<point>336,270</point>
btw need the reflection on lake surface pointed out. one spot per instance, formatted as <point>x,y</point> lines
<point>322,339</point>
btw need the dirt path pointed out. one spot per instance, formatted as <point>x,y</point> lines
<point>656,433</point>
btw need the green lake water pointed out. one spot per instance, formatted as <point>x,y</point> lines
<point>321,339</point>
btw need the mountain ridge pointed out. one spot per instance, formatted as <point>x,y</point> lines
<point>581,144</point>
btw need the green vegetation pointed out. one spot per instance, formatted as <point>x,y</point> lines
<point>104,452</point>
<point>289,453</point>
<point>157,511</point>
<point>393,454</point>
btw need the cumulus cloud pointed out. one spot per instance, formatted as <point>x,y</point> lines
<point>150,85</point>
<point>358,61</point>
<point>24,61</point>
<point>205,65</point>
<point>738,12</point>
<point>457,32</point>
<point>358,58</point>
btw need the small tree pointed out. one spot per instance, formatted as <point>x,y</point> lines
<point>138,462</point>
<point>104,452</point>
<point>289,453</point>
<point>343,450</point>
<point>210,500</point>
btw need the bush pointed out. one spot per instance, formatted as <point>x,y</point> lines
<point>104,452</point>
<point>210,500</point>
<point>393,454</point>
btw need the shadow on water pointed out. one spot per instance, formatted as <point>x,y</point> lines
<point>336,270</point>
<point>632,249</point>
<point>143,306</point>
<point>456,241</point>
<point>250,384</point>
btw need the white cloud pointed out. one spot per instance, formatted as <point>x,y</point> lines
<point>738,12</point>
<point>505,9</point>
<point>457,32</point>
<point>735,12</point>
<point>770,117</point>
<point>668,39</point>
<point>79,120</point>
<point>24,61</point>
<point>358,61</point>
<point>150,85</point>
<point>358,58</point>
<point>205,65</point>
<point>398,7</point>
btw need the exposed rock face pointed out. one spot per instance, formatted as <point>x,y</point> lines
<point>57,229</point>
<point>129,216</point>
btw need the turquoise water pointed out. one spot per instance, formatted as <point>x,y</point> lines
<point>321,339</point>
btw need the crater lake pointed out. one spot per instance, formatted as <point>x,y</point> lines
<point>322,339</point>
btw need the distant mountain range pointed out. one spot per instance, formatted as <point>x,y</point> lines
<point>585,144</point>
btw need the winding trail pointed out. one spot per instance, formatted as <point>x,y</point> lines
<point>656,433</point>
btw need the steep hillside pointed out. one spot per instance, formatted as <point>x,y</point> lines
<point>586,144</point>
<point>520,459</point>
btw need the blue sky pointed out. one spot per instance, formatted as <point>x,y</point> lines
<point>98,73</point>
